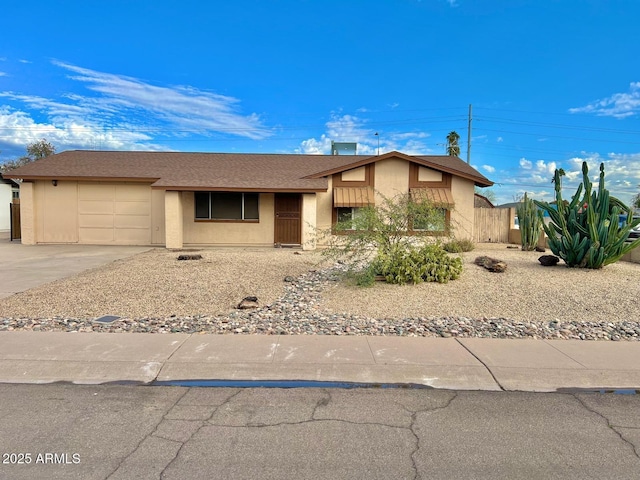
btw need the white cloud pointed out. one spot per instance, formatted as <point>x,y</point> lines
<point>618,105</point>
<point>350,128</point>
<point>488,168</point>
<point>499,139</point>
<point>24,130</point>
<point>526,164</point>
<point>3,74</point>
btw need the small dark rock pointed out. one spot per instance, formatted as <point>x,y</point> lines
<point>540,249</point>
<point>289,279</point>
<point>190,257</point>
<point>512,246</point>
<point>548,260</point>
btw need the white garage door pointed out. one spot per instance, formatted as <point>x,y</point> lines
<point>118,213</point>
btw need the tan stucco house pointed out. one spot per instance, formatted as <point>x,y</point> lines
<point>177,199</point>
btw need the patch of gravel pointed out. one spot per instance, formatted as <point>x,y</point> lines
<point>526,301</point>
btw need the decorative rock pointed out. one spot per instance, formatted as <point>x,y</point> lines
<point>289,279</point>
<point>297,313</point>
<point>190,257</point>
<point>248,302</point>
<point>491,264</point>
<point>540,249</point>
<point>548,260</point>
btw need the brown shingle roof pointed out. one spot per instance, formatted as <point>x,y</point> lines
<point>220,171</point>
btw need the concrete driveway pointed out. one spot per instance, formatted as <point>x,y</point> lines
<point>27,266</point>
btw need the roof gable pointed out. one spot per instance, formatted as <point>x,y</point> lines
<point>442,163</point>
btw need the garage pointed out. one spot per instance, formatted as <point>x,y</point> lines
<point>117,213</point>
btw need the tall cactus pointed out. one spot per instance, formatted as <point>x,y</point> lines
<point>585,232</point>
<point>530,221</point>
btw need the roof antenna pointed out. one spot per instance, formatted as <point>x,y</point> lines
<point>376,134</point>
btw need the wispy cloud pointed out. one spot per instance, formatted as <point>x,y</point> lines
<point>488,168</point>
<point>618,105</point>
<point>121,112</point>
<point>3,74</point>
<point>183,107</point>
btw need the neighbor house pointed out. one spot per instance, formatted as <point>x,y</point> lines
<point>8,197</point>
<point>176,199</point>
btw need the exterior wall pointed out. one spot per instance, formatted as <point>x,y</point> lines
<point>5,201</point>
<point>463,214</point>
<point>228,233</point>
<point>27,213</point>
<point>309,221</point>
<point>173,208</point>
<point>324,206</point>
<point>391,178</point>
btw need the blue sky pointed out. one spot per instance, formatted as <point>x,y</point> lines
<point>552,82</point>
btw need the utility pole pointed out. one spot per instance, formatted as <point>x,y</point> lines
<point>469,137</point>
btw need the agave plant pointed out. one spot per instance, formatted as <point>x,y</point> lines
<point>586,232</point>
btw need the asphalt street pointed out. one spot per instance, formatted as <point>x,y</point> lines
<point>64,431</point>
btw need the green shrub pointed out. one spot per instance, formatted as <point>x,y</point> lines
<point>429,263</point>
<point>458,246</point>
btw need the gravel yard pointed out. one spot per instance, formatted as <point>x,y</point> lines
<point>154,292</point>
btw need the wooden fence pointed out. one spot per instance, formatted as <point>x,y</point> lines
<point>492,225</point>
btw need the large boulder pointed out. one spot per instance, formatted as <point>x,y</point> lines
<point>491,264</point>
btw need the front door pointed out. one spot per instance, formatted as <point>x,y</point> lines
<point>288,224</point>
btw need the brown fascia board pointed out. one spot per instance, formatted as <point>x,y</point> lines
<point>183,188</point>
<point>31,178</point>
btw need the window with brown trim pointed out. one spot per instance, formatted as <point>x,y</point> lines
<point>226,206</point>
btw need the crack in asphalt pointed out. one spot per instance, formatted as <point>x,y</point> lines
<point>328,398</point>
<point>323,402</point>
<point>202,424</point>
<point>414,417</point>
<point>150,434</point>
<point>612,427</point>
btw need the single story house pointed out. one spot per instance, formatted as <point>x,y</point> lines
<point>176,199</point>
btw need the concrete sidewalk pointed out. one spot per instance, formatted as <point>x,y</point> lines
<point>444,363</point>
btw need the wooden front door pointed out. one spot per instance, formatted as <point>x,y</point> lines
<point>288,223</point>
